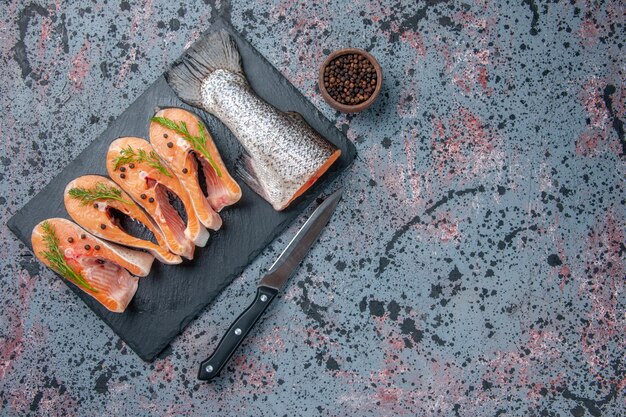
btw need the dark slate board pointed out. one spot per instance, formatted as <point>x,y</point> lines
<point>171,296</point>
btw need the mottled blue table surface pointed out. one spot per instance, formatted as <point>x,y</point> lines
<point>475,266</point>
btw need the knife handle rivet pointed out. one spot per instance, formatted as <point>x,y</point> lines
<point>209,368</point>
<point>237,331</point>
<point>264,298</point>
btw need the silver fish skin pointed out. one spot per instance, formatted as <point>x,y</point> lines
<point>283,154</point>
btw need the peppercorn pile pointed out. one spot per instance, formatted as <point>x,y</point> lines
<point>350,79</point>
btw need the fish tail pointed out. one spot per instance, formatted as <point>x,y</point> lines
<point>214,51</point>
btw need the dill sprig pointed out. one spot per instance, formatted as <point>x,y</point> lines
<point>128,155</point>
<point>197,142</point>
<point>57,260</point>
<point>100,192</point>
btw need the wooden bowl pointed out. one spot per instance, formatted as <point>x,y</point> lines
<point>350,108</point>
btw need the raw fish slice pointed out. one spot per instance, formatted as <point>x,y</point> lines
<point>91,201</point>
<point>137,169</point>
<point>181,140</point>
<point>168,212</point>
<point>99,268</point>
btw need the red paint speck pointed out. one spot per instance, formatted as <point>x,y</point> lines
<point>602,336</point>
<point>12,340</point>
<point>415,41</point>
<point>598,135</point>
<point>464,146</point>
<point>80,67</point>
<point>163,371</point>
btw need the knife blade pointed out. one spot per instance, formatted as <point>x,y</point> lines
<point>269,286</point>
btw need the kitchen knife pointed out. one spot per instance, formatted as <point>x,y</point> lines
<point>277,276</point>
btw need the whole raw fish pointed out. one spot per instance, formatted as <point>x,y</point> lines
<point>284,155</point>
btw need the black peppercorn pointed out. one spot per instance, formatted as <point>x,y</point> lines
<point>347,78</point>
<point>95,205</point>
<point>82,236</point>
<point>151,200</point>
<point>103,226</point>
<point>170,144</point>
<point>70,239</point>
<point>165,136</point>
<point>123,169</point>
<point>97,247</point>
<point>143,196</point>
<point>87,247</point>
<point>185,170</point>
<point>131,166</point>
<point>122,176</point>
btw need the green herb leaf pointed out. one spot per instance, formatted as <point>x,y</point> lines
<point>198,143</point>
<point>100,192</point>
<point>57,259</point>
<point>128,155</point>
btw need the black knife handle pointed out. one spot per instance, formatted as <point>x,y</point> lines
<point>212,366</point>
